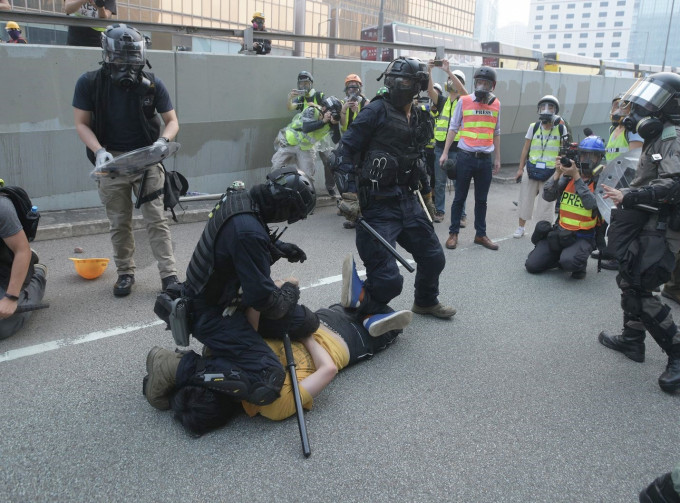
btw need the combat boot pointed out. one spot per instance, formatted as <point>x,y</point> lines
<point>630,342</point>
<point>669,381</point>
<point>161,366</point>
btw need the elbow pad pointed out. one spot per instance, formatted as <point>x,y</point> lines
<point>281,302</point>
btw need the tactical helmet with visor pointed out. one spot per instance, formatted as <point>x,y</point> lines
<point>293,193</point>
<point>123,45</point>
<point>405,77</point>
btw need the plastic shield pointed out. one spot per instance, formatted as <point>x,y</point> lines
<point>618,174</point>
<point>135,161</point>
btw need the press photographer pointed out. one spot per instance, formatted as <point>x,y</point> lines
<point>568,243</point>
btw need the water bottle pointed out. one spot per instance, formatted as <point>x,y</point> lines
<point>32,217</point>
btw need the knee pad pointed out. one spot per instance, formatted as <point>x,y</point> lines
<point>631,303</point>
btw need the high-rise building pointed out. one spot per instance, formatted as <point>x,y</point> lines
<point>653,35</point>
<point>594,28</point>
<point>486,20</point>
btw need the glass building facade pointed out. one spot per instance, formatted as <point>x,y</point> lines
<point>653,24</point>
<point>331,18</point>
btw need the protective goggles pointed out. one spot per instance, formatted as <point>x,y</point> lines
<point>483,85</point>
<point>546,108</point>
<point>304,85</point>
<point>590,158</point>
<point>399,83</point>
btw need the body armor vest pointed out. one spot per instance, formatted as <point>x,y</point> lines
<point>201,278</point>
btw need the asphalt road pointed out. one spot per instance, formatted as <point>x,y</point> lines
<point>513,400</point>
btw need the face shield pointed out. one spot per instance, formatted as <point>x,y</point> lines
<point>649,94</point>
<point>353,89</point>
<point>588,161</point>
<point>305,85</point>
<point>483,88</point>
<point>125,58</point>
<point>620,110</point>
<point>546,111</point>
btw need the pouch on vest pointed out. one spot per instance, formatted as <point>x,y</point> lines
<point>624,227</point>
<point>535,172</point>
<point>381,168</point>
<point>648,263</point>
<point>173,308</point>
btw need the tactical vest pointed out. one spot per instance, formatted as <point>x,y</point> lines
<point>201,280</point>
<point>391,156</point>
<point>617,146</point>
<point>150,120</point>
<point>573,216</point>
<point>545,145</point>
<point>295,135</point>
<point>479,121</point>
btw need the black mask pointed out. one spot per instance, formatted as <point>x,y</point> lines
<point>642,122</point>
<point>126,76</point>
<point>401,97</point>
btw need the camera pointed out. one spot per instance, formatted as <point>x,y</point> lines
<point>353,98</point>
<point>299,92</point>
<point>437,62</point>
<point>335,116</point>
<point>570,152</point>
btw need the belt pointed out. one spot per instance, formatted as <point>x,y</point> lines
<point>477,155</point>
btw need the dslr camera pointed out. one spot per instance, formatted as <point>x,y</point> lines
<point>568,152</point>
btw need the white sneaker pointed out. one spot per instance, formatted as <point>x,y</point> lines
<point>518,233</point>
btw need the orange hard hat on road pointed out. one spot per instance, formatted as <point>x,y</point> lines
<point>90,268</point>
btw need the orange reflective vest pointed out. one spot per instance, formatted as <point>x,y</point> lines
<point>479,121</point>
<point>573,216</point>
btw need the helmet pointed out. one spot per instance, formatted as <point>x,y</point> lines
<point>305,81</point>
<point>484,72</point>
<point>353,77</point>
<point>90,268</point>
<point>590,152</point>
<point>460,76</point>
<point>548,106</point>
<point>438,88</point>
<point>653,100</point>
<point>124,54</point>
<point>258,15</point>
<point>237,185</point>
<point>293,193</point>
<point>333,104</point>
<point>12,25</point>
<point>405,77</point>
<point>484,83</point>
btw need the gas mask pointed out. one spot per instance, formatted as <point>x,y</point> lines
<point>258,24</point>
<point>305,85</point>
<point>619,111</point>
<point>353,91</point>
<point>588,163</point>
<point>14,34</point>
<point>546,112</point>
<point>483,90</point>
<point>402,90</point>
<point>643,122</point>
<point>127,76</point>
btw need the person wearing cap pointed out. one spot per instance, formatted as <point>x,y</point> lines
<point>455,86</point>
<point>260,45</point>
<point>85,36</point>
<point>477,117</point>
<point>14,31</point>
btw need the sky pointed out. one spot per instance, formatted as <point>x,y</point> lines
<point>513,11</point>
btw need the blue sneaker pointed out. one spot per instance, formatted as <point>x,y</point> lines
<point>379,324</point>
<point>351,284</point>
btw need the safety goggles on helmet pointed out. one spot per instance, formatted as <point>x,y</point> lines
<point>124,52</point>
<point>399,83</point>
<point>650,93</point>
<point>483,85</point>
<point>546,108</point>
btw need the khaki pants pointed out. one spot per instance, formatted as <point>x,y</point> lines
<point>292,154</point>
<point>530,192</point>
<point>116,195</point>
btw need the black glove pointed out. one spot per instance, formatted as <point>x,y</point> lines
<point>292,252</point>
<point>99,3</point>
<point>646,195</point>
<point>660,491</point>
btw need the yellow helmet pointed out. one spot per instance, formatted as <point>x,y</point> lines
<point>12,25</point>
<point>258,15</point>
<point>90,268</point>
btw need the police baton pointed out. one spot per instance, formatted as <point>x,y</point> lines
<point>30,307</point>
<point>290,363</point>
<point>382,241</point>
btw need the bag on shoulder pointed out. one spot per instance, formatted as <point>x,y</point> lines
<point>175,185</point>
<point>22,204</point>
<point>540,175</point>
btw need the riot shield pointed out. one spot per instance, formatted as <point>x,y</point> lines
<point>135,161</point>
<point>618,174</point>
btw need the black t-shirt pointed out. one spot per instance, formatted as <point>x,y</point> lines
<point>84,36</point>
<point>122,124</point>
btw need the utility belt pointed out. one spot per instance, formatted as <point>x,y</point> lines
<point>476,155</point>
<point>558,238</point>
<point>382,170</point>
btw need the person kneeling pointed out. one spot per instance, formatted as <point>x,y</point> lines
<point>568,244</point>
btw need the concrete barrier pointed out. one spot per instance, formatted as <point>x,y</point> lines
<point>230,108</point>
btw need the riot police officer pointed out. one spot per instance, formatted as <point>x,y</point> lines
<point>386,141</point>
<point>655,116</point>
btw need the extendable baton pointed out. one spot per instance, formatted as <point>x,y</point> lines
<point>389,247</point>
<point>290,363</point>
<point>30,307</point>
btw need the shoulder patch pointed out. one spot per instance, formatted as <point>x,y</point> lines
<point>669,133</point>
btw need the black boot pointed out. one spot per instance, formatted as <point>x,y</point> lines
<point>631,342</point>
<point>669,381</point>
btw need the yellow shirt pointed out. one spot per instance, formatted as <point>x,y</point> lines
<point>284,406</point>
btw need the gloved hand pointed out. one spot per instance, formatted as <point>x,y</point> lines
<point>99,3</point>
<point>292,252</point>
<point>102,156</point>
<point>429,204</point>
<point>650,194</point>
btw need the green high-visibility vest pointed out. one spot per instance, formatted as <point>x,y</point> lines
<point>441,125</point>
<point>545,145</point>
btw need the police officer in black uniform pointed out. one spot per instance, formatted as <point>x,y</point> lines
<point>386,143</point>
<point>230,271</point>
<point>655,116</point>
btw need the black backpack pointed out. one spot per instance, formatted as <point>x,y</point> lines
<point>23,206</point>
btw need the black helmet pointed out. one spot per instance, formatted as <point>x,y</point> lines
<point>332,103</point>
<point>404,78</point>
<point>653,100</point>
<point>124,54</point>
<point>293,193</point>
<point>485,72</point>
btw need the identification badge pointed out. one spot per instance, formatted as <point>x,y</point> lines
<point>540,165</point>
